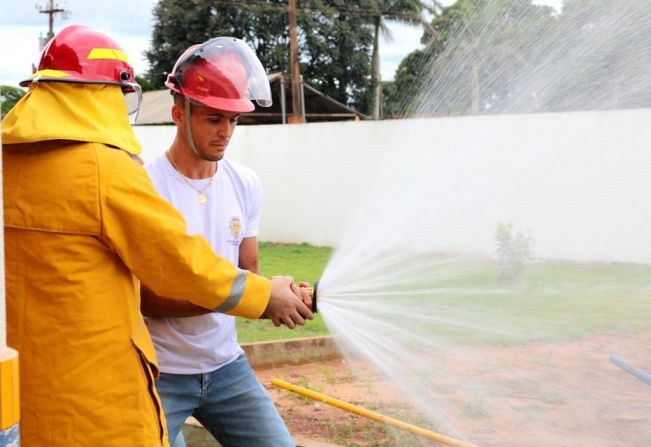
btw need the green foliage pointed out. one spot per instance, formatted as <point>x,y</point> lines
<point>181,23</point>
<point>610,43</point>
<point>410,77</point>
<point>504,56</point>
<point>334,44</point>
<point>515,249</point>
<point>145,83</point>
<point>473,41</point>
<point>9,96</point>
<point>334,39</point>
<point>404,11</point>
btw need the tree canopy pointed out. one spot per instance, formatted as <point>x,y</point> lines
<point>478,56</point>
<point>510,56</point>
<point>383,11</point>
<point>334,39</point>
<point>468,65</point>
<point>9,96</point>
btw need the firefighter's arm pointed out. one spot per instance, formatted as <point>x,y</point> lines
<point>150,237</point>
<point>155,306</point>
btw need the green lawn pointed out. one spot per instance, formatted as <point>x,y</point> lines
<point>305,263</point>
<point>561,300</point>
<point>551,300</point>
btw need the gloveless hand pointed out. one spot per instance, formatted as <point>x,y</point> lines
<point>286,304</point>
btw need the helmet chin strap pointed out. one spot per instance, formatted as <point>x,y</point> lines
<point>188,127</point>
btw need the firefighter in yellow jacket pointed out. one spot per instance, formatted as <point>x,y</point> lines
<point>82,225</point>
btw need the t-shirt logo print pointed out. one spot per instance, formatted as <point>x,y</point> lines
<point>235,227</point>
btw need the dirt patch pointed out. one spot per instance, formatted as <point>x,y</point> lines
<point>560,394</point>
<point>335,378</point>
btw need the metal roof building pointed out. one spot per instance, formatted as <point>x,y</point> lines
<point>156,106</point>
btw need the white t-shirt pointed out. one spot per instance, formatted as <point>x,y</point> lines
<point>196,345</point>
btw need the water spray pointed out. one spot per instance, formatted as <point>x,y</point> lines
<point>370,414</point>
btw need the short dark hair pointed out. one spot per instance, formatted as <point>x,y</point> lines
<point>179,99</point>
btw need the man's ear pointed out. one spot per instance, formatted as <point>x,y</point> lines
<point>178,114</point>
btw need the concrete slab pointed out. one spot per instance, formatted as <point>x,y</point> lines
<point>278,353</point>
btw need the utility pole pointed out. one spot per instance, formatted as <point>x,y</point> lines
<point>475,89</point>
<point>297,96</point>
<point>51,9</point>
<point>375,67</point>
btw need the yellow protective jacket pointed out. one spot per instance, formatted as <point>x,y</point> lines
<point>82,223</point>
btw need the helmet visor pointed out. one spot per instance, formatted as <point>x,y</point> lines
<point>223,68</point>
<point>133,100</point>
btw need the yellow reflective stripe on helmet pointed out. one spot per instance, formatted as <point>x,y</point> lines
<point>108,53</point>
<point>50,73</point>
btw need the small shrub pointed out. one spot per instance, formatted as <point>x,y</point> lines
<point>515,250</point>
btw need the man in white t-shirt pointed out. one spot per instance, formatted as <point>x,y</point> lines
<point>204,372</point>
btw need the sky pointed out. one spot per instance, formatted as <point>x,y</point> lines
<point>130,23</point>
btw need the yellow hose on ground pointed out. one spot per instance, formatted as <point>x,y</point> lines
<point>371,414</point>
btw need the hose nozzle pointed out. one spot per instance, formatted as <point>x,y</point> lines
<point>314,295</point>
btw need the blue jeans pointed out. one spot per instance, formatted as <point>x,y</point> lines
<point>229,402</point>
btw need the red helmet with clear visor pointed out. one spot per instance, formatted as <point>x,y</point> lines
<point>223,73</point>
<point>81,55</point>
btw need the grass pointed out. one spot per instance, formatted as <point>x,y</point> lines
<point>305,263</point>
<point>302,261</point>
<point>553,300</point>
<point>557,300</point>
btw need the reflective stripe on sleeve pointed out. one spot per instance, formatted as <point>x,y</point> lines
<point>237,291</point>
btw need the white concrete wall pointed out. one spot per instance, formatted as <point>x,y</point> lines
<point>578,181</point>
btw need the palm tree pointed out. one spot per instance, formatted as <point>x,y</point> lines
<point>411,12</point>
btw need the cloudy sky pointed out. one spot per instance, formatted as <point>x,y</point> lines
<point>130,23</point>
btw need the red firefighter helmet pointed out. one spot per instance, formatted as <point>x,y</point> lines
<point>80,54</point>
<point>223,73</point>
